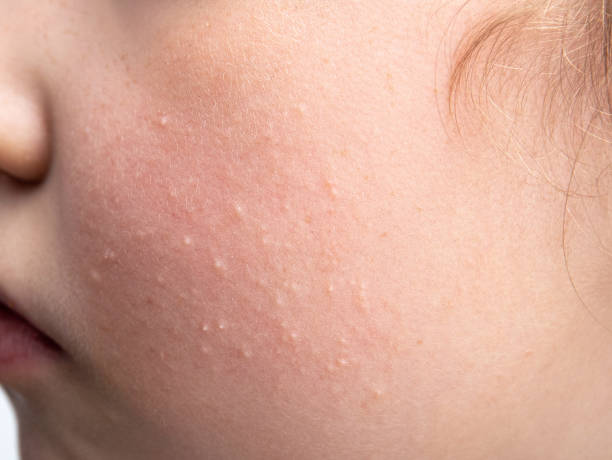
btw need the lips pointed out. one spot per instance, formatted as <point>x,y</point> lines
<point>20,340</point>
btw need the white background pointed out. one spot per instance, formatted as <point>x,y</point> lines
<point>8,431</point>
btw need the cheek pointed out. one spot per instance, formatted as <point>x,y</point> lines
<point>228,255</point>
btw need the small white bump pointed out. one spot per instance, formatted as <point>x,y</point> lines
<point>220,264</point>
<point>246,353</point>
<point>188,240</point>
<point>95,275</point>
<point>205,327</point>
<point>342,362</point>
<point>222,324</point>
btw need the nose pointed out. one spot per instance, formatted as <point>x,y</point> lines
<point>24,131</point>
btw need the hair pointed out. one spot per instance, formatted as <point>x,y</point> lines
<point>538,72</point>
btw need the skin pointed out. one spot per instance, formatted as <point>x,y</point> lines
<point>251,229</point>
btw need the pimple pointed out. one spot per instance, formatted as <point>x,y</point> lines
<point>205,327</point>
<point>246,352</point>
<point>164,120</point>
<point>222,324</point>
<point>239,209</point>
<point>109,254</point>
<point>95,275</point>
<point>188,240</point>
<point>220,264</point>
<point>279,298</point>
<point>331,189</point>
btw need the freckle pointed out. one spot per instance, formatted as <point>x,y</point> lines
<point>419,342</point>
<point>384,235</point>
<point>188,240</point>
<point>528,354</point>
<point>378,393</point>
<point>308,219</point>
<point>95,275</point>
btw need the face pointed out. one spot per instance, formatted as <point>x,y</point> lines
<point>254,236</point>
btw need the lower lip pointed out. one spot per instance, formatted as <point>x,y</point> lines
<point>21,342</point>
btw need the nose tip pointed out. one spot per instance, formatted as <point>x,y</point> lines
<point>24,134</point>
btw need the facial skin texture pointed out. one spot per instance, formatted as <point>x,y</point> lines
<point>255,237</point>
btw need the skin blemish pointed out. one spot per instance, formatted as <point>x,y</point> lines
<point>419,342</point>
<point>187,240</point>
<point>246,352</point>
<point>109,254</point>
<point>331,189</point>
<point>239,209</point>
<point>95,275</point>
<point>279,298</point>
<point>164,120</point>
<point>205,327</point>
<point>220,265</point>
<point>222,324</point>
<point>160,279</point>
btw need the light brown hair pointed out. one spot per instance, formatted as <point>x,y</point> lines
<point>535,77</point>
